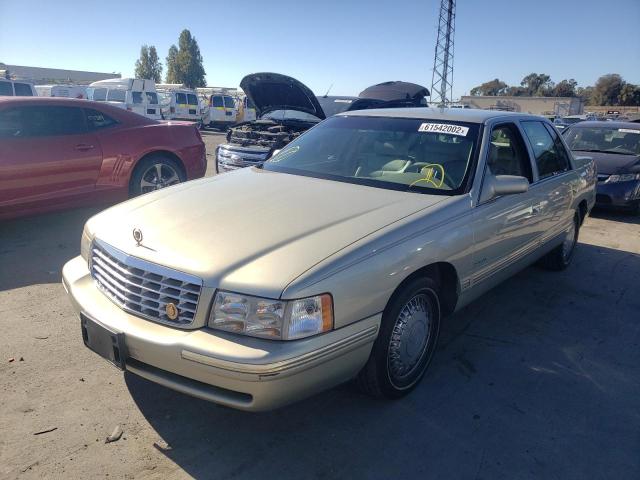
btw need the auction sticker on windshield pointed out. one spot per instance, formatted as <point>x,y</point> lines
<point>444,128</point>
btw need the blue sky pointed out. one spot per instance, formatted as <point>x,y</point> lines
<point>350,44</point>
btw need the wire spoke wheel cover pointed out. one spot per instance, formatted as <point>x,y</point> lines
<point>409,340</point>
<point>157,176</point>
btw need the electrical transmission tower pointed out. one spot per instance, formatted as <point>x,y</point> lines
<point>442,79</point>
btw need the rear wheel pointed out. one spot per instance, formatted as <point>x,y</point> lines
<point>406,342</point>
<point>154,173</point>
<point>560,257</point>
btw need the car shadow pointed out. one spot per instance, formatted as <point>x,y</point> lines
<point>533,380</point>
<point>34,249</point>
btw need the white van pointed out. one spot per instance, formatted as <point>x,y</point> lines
<point>222,111</point>
<point>66,91</point>
<point>12,88</point>
<point>246,110</point>
<point>133,94</point>
<point>179,103</point>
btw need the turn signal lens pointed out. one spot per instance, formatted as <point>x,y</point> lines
<point>310,316</point>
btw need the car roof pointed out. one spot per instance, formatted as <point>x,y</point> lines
<point>607,124</point>
<point>471,115</point>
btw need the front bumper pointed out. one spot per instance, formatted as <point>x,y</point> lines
<point>231,157</point>
<point>618,194</point>
<point>240,372</point>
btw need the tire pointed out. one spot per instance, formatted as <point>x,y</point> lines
<point>406,342</point>
<point>155,172</point>
<point>560,257</point>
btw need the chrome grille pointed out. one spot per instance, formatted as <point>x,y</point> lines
<point>144,288</point>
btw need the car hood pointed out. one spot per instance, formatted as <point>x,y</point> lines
<point>251,230</point>
<point>394,91</point>
<point>273,91</point>
<point>613,163</point>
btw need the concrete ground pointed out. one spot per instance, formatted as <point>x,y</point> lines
<point>538,379</point>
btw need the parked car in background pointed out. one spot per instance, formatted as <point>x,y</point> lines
<point>286,108</point>
<point>131,94</point>
<point>336,259</point>
<point>61,153</point>
<point>179,103</point>
<point>615,147</point>
<point>14,88</point>
<point>65,91</point>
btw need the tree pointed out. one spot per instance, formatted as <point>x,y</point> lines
<point>565,88</point>
<point>172,60</point>
<point>516,92</point>
<point>491,88</point>
<point>607,89</point>
<point>586,94</point>
<point>537,84</point>
<point>629,95</point>
<point>148,65</point>
<point>184,63</point>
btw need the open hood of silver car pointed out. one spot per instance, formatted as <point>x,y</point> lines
<point>273,91</point>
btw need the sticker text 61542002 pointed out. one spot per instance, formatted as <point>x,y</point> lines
<point>444,128</point>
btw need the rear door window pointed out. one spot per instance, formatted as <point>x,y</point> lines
<point>136,97</point>
<point>551,157</point>
<point>6,90</point>
<point>23,90</point>
<point>229,102</point>
<point>192,99</point>
<point>181,98</point>
<point>216,101</point>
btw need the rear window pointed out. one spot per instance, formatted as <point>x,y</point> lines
<point>152,98</point>
<point>136,97</point>
<point>229,102</point>
<point>181,98</point>
<point>23,90</point>
<point>216,101</point>
<point>116,96</point>
<point>10,122</point>
<point>5,89</point>
<point>192,99</point>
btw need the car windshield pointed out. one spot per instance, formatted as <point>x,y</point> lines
<point>430,156</point>
<point>332,105</point>
<point>604,139</point>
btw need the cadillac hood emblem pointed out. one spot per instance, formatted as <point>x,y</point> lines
<point>137,236</point>
<point>172,311</point>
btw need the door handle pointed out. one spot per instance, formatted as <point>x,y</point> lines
<point>83,147</point>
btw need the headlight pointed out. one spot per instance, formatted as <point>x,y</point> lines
<point>85,243</point>
<point>625,177</point>
<point>274,319</point>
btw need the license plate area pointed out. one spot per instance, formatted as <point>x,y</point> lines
<point>106,343</point>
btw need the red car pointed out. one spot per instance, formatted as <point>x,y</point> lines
<point>57,153</point>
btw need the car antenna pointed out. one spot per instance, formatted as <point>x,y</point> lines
<point>328,90</point>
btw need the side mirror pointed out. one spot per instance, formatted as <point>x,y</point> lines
<point>497,185</point>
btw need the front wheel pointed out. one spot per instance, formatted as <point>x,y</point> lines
<point>154,173</point>
<point>406,342</point>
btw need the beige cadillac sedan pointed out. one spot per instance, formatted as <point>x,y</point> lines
<point>337,259</point>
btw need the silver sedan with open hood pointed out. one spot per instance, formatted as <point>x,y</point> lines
<point>336,259</point>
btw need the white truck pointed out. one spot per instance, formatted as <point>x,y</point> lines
<point>179,102</point>
<point>132,94</point>
<point>65,91</point>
